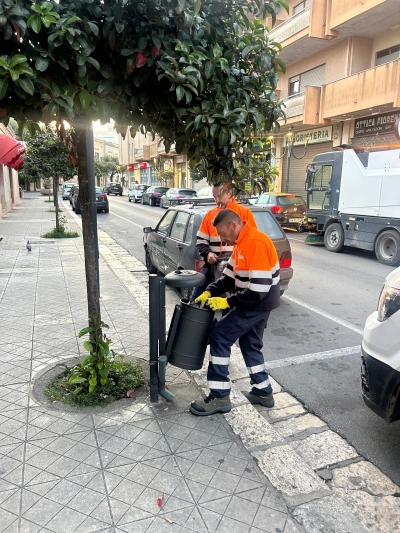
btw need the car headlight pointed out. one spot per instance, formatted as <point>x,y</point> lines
<point>389,303</point>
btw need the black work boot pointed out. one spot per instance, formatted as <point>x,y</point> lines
<point>210,405</point>
<point>266,401</point>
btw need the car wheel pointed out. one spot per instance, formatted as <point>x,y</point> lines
<point>186,293</point>
<point>334,238</point>
<point>73,207</point>
<point>151,269</point>
<point>281,293</point>
<point>77,210</point>
<point>120,193</point>
<point>107,210</point>
<point>129,199</point>
<point>387,248</point>
<point>152,202</point>
<point>108,194</point>
<point>142,201</point>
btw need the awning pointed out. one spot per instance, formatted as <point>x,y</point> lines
<point>11,152</point>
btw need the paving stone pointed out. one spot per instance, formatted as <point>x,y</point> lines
<point>330,515</point>
<point>277,414</point>
<point>298,424</point>
<point>324,449</point>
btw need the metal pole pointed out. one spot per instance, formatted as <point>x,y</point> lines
<point>92,195</point>
<point>162,319</point>
<point>287,169</point>
<point>154,315</point>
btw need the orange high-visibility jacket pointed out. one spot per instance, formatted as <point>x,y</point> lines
<point>207,237</point>
<point>252,273</point>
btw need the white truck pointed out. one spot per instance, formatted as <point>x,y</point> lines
<point>353,199</point>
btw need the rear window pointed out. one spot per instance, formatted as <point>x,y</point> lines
<point>68,185</point>
<point>99,190</point>
<point>161,189</point>
<point>290,200</point>
<point>267,224</point>
<point>186,191</point>
<point>141,187</point>
<point>115,183</point>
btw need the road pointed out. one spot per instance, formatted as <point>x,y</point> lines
<point>324,310</point>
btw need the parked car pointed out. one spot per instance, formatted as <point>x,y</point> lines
<point>72,192</point>
<point>172,244</point>
<point>101,201</point>
<point>136,191</point>
<point>172,195</point>
<point>288,209</point>
<point>113,187</point>
<point>380,349</point>
<point>66,190</point>
<point>205,192</point>
<point>74,200</point>
<point>152,195</point>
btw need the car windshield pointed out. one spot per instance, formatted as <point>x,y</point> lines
<point>263,199</point>
<point>68,185</point>
<point>267,224</point>
<point>290,200</point>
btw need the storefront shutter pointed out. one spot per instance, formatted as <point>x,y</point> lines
<point>298,167</point>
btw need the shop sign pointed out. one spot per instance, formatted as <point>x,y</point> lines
<point>316,135</point>
<point>376,124</point>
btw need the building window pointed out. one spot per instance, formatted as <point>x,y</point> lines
<point>294,85</point>
<point>301,6</point>
<point>97,156</point>
<point>389,54</point>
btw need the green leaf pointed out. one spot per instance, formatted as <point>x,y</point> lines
<point>281,64</point>
<point>213,130</point>
<point>77,379</point>
<point>246,50</point>
<point>197,122</point>
<point>126,52</point>
<point>87,344</point>
<point>180,93</point>
<point>17,60</point>
<point>222,139</point>
<point>71,20</point>
<point>94,28</point>
<point>41,64</point>
<point>156,41</point>
<point>284,4</point>
<point>3,87</point>
<point>196,7</point>
<point>35,22</point>
<point>208,70</point>
<point>53,109</point>
<point>63,64</point>
<point>173,61</point>
<point>93,62</point>
<point>142,43</point>
<point>27,85</point>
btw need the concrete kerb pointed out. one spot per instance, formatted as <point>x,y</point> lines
<point>303,490</point>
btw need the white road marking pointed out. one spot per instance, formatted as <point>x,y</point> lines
<point>127,220</point>
<point>306,358</point>
<point>334,318</point>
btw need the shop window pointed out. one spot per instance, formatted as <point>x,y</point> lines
<point>301,6</point>
<point>389,54</point>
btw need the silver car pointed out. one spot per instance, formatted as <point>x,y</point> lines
<point>172,243</point>
<point>174,194</point>
<point>136,191</point>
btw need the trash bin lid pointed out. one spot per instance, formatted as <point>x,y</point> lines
<point>185,278</point>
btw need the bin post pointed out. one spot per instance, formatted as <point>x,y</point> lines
<point>154,314</point>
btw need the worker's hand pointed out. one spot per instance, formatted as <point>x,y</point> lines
<point>217,304</point>
<point>203,298</point>
<point>211,258</point>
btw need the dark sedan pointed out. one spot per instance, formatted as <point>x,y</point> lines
<point>288,209</point>
<point>101,201</point>
<point>153,195</point>
<point>172,195</point>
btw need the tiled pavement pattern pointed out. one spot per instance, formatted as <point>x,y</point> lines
<point>63,471</point>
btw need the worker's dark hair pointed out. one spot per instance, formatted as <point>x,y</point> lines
<point>226,216</point>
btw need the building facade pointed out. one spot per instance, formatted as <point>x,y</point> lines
<point>342,82</point>
<point>9,186</point>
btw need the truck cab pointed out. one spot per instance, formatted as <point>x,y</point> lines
<point>353,199</point>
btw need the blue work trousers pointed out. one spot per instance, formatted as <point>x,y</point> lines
<point>206,270</point>
<point>248,327</point>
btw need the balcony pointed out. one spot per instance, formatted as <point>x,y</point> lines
<point>292,26</point>
<point>351,15</point>
<point>355,95</point>
<point>303,107</point>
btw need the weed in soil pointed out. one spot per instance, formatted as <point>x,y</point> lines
<point>123,377</point>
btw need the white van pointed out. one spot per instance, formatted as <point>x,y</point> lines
<point>380,370</point>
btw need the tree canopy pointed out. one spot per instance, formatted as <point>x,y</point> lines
<point>107,166</point>
<point>200,73</point>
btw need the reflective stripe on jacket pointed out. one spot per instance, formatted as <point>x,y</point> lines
<point>252,273</point>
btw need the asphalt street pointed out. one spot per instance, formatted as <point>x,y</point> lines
<point>312,341</point>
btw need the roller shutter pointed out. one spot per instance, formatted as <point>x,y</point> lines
<point>297,174</point>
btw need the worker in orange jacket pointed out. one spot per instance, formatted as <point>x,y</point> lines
<point>209,244</point>
<point>252,274</point>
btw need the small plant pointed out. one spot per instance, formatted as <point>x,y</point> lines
<point>94,369</point>
<point>61,232</point>
<point>57,210</point>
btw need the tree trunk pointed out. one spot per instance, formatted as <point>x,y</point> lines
<point>55,191</point>
<point>92,285</point>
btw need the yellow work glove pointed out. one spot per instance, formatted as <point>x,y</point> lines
<point>203,298</point>
<point>217,304</point>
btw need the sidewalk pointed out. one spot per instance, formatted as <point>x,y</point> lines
<point>91,470</point>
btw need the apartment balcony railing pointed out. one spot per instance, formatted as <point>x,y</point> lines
<point>291,26</point>
<point>378,86</point>
<point>294,105</point>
